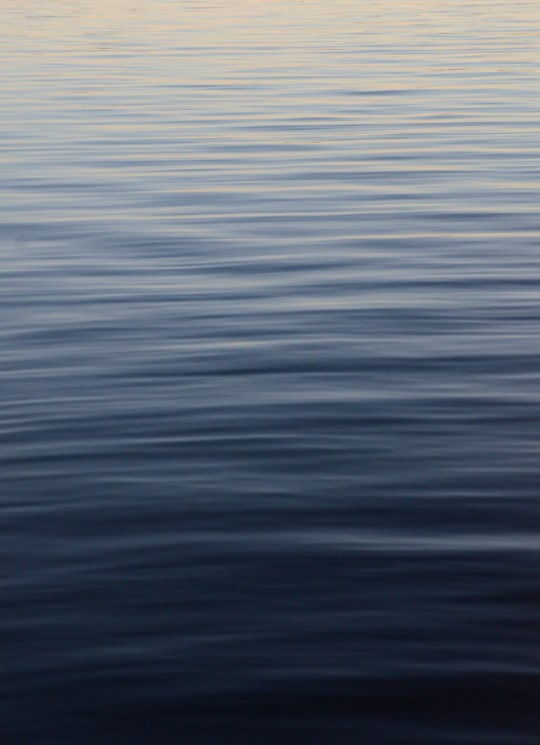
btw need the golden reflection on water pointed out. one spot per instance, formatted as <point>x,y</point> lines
<point>285,49</point>
<point>399,68</point>
<point>280,23</point>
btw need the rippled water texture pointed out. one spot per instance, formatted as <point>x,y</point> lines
<point>269,328</point>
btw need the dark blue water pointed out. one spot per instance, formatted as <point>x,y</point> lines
<point>270,372</point>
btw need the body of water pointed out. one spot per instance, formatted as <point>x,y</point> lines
<point>270,372</point>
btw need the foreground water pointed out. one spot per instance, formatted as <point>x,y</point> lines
<point>270,372</point>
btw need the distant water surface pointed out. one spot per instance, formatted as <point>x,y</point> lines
<point>270,372</point>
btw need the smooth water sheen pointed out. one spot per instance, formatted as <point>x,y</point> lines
<point>270,372</point>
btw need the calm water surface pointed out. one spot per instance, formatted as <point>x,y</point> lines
<point>270,372</point>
